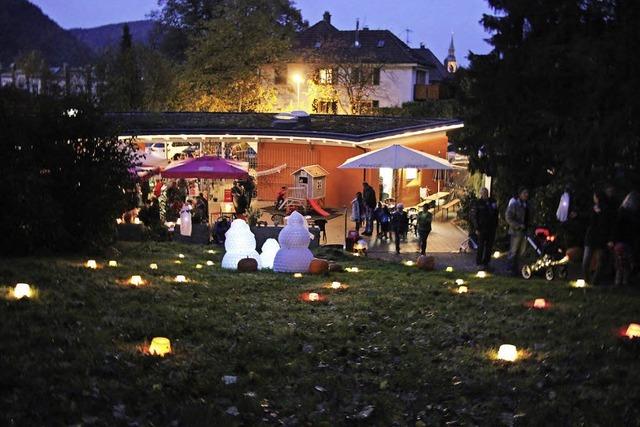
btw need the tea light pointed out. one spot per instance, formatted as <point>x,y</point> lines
<point>298,275</point>
<point>209,263</point>
<point>313,296</point>
<point>336,285</point>
<point>180,278</point>
<point>198,266</point>
<point>539,303</point>
<point>580,283</point>
<point>92,264</point>
<point>508,352</point>
<point>160,346</point>
<point>136,280</point>
<point>113,263</point>
<point>180,255</point>
<point>449,269</point>
<point>463,290</point>
<point>409,263</point>
<point>22,290</point>
<point>459,282</point>
<point>177,261</point>
<point>633,331</point>
<point>481,274</point>
<point>153,266</point>
<point>497,254</point>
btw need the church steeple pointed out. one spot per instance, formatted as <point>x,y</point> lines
<point>450,63</point>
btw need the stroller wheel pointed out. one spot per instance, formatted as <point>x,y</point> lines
<point>526,272</point>
<point>549,274</point>
<point>563,272</point>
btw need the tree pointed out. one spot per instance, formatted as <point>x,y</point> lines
<point>554,102</point>
<point>233,40</point>
<point>65,183</point>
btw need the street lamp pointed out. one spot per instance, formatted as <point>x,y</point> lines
<point>297,78</point>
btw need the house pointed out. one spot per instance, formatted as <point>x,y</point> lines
<point>55,80</point>
<point>273,152</point>
<point>336,71</point>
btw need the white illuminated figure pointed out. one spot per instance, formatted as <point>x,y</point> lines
<point>239,243</point>
<point>269,250</point>
<point>294,255</point>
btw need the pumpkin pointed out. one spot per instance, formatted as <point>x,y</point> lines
<point>574,254</point>
<point>318,266</point>
<point>335,267</point>
<point>246,265</point>
<point>427,263</point>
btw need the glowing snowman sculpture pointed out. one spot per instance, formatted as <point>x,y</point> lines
<point>239,243</point>
<point>269,250</point>
<point>294,255</point>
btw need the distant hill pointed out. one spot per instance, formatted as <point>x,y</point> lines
<point>99,38</point>
<point>24,27</point>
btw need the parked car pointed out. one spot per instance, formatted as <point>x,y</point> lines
<point>173,150</point>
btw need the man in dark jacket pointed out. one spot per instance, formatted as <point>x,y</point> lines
<point>369,196</point>
<point>518,215</point>
<point>399,224</point>
<point>484,217</point>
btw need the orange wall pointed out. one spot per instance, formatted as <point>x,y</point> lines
<point>342,184</point>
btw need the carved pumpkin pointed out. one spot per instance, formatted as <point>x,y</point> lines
<point>246,265</point>
<point>318,266</point>
<point>427,263</point>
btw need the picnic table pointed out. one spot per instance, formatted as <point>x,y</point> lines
<point>433,198</point>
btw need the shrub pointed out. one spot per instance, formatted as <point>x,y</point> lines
<point>64,176</point>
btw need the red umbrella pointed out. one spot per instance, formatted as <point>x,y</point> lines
<point>205,167</point>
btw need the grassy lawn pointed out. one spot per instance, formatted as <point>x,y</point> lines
<point>398,347</point>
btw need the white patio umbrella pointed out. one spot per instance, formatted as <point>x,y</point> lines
<point>396,157</point>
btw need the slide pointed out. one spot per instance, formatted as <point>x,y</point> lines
<point>316,207</point>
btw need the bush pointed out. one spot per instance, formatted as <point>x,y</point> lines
<point>64,177</point>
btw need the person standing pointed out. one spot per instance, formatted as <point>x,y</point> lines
<point>518,216</point>
<point>424,227</point>
<point>377,215</point>
<point>597,239</point>
<point>357,211</point>
<point>238,198</point>
<point>626,239</point>
<point>484,217</point>
<point>369,195</point>
<point>385,221</point>
<point>399,224</point>
<point>249,187</point>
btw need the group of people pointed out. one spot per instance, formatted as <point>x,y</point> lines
<point>391,223</point>
<point>242,193</point>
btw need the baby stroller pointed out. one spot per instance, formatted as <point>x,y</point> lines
<point>552,261</point>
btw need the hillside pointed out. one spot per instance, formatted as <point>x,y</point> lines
<point>24,27</point>
<point>99,38</point>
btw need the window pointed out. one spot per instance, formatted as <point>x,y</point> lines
<point>280,75</point>
<point>421,77</point>
<point>380,43</point>
<point>325,76</point>
<point>366,107</point>
<point>324,106</point>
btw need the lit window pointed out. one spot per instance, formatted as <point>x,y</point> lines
<point>325,76</point>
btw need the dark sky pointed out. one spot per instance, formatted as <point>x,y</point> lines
<point>431,21</point>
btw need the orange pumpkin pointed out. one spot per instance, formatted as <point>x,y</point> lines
<point>318,266</point>
<point>246,265</point>
<point>427,263</point>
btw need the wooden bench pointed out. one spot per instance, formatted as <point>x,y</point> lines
<point>455,203</point>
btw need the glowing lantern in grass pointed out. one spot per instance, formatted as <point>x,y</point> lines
<point>209,263</point>
<point>92,264</point>
<point>508,353</point>
<point>313,296</point>
<point>336,285</point>
<point>352,269</point>
<point>497,254</point>
<point>177,261</point>
<point>409,263</point>
<point>160,346</point>
<point>539,303</point>
<point>463,290</point>
<point>459,282</point>
<point>153,266</point>
<point>481,274</point>
<point>136,280</point>
<point>239,243</point>
<point>211,251</point>
<point>198,266</point>
<point>113,263</point>
<point>294,255</point>
<point>633,331</point>
<point>180,279</point>
<point>269,250</point>
<point>298,275</point>
<point>22,290</point>
<point>181,256</point>
<point>449,269</point>
<point>580,283</point>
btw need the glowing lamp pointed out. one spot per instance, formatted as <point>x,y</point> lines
<point>539,303</point>
<point>180,279</point>
<point>508,352</point>
<point>209,263</point>
<point>92,264</point>
<point>153,266</point>
<point>580,283</point>
<point>352,269</point>
<point>113,263</point>
<point>180,255</point>
<point>211,251</point>
<point>136,280</point>
<point>294,254</point>
<point>239,243</point>
<point>409,263</point>
<point>336,285</point>
<point>198,266</point>
<point>633,331</point>
<point>177,261</point>
<point>22,290</point>
<point>297,275</point>
<point>497,254</point>
<point>481,274</point>
<point>463,290</point>
<point>160,346</point>
<point>313,296</point>
<point>449,269</point>
<point>459,282</point>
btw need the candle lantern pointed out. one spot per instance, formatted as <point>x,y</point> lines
<point>113,263</point>
<point>153,266</point>
<point>136,280</point>
<point>160,346</point>
<point>22,290</point>
<point>463,290</point>
<point>180,279</point>
<point>508,353</point>
<point>449,269</point>
<point>92,264</point>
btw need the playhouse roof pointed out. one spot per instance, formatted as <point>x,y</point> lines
<point>314,170</point>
